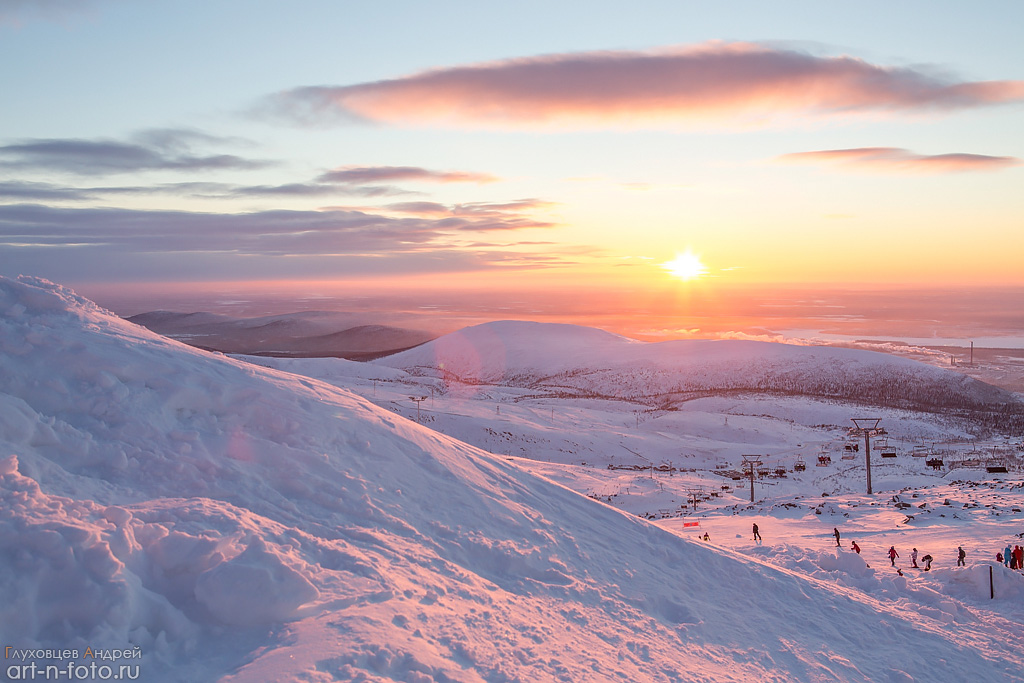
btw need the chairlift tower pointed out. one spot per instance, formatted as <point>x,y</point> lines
<point>866,427</point>
<point>417,400</point>
<point>750,464</point>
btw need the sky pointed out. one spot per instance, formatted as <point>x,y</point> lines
<point>648,156</point>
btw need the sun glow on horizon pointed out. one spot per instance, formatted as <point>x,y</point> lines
<point>686,266</point>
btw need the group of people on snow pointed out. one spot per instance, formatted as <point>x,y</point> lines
<point>1011,557</point>
<point>893,555</point>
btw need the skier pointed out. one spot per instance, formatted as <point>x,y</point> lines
<point>757,534</point>
<point>835,532</point>
<point>913,559</point>
<point>893,555</point>
<point>927,562</point>
<point>855,547</point>
<point>960,555</point>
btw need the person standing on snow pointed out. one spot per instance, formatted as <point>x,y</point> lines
<point>1006,555</point>
<point>835,532</point>
<point>1020,556</point>
<point>893,555</point>
<point>927,559</point>
<point>757,534</point>
<point>960,555</point>
<point>913,559</point>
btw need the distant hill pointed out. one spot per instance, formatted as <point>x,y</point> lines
<point>309,334</point>
<point>573,360</point>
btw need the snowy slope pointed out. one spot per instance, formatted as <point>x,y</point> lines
<point>239,523</point>
<point>585,361</point>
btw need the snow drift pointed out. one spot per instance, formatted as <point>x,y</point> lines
<point>237,523</point>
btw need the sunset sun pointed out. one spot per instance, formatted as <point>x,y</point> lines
<point>685,266</point>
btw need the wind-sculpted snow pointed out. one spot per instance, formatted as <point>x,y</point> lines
<point>572,360</point>
<point>238,523</point>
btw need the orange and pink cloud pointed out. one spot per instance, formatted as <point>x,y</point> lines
<point>897,160</point>
<point>482,216</point>
<point>713,83</point>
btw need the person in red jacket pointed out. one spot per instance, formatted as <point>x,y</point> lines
<point>893,555</point>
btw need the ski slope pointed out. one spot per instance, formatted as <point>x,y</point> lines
<point>242,523</point>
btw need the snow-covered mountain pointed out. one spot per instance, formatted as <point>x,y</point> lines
<point>573,360</point>
<point>238,523</point>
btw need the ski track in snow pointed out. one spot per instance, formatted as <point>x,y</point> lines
<point>242,523</point>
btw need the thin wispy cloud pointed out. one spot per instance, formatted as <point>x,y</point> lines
<point>358,181</point>
<point>481,216</point>
<point>346,181</point>
<point>378,174</point>
<point>315,190</point>
<point>419,208</point>
<point>898,160</point>
<point>25,190</point>
<point>715,83</point>
<point>266,232</point>
<point>19,190</point>
<point>105,243</point>
<point>157,150</point>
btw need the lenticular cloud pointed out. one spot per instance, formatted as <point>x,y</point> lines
<point>709,84</point>
<point>896,160</point>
